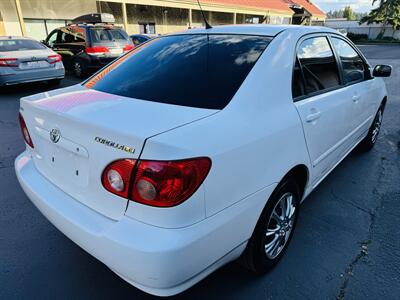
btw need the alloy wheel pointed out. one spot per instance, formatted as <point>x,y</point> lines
<point>280,225</point>
<point>77,69</point>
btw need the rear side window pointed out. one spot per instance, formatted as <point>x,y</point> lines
<point>197,70</point>
<point>107,35</point>
<point>318,66</point>
<point>20,45</point>
<point>352,64</point>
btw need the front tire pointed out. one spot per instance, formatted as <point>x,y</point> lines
<point>369,141</point>
<point>274,229</point>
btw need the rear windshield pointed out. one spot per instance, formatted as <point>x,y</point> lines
<point>197,70</point>
<point>20,45</point>
<point>107,35</point>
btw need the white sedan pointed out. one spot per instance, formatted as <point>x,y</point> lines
<point>26,60</point>
<point>197,148</point>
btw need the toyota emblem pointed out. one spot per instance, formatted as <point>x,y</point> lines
<point>55,135</point>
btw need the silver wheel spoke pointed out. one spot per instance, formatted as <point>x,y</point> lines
<point>289,205</point>
<point>271,244</point>
<point>280,225</point>
<point>273,231</point>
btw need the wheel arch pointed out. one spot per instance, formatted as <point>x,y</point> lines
<point>301,175</point>
<point>384,101</point>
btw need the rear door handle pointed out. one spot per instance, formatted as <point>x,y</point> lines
<point>356,98</point>
<point>313,116</point>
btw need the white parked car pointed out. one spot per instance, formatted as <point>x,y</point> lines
<point>197,148</point>
<point>26,60</point>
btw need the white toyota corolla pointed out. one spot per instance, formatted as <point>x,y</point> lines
<point>197,148</point>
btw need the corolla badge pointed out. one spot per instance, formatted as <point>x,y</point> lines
<point>115,145</point>
<point>55,135</point>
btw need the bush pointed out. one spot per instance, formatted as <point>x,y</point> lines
<point>357,37</point>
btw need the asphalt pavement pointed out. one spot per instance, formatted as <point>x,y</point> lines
<point>346,245</point>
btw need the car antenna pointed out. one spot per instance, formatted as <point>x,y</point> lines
<point>208,26</point>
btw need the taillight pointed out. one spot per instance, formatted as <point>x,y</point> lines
<point>97,50</point>
<point>156,183</point>
<point>8,62</point>
<point>54,58</point>
<point>128,48</point>
<point>116,176</point>
<point>24,130</point>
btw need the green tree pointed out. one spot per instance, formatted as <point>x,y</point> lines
<point>348,13</point>
<point>388,13</point>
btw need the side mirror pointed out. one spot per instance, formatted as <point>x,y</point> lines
<point>382,71</point>
<point>43,42</point>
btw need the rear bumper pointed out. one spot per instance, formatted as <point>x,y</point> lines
<point>8,76</point>
<point>156,260</point>
<point>95,63</point>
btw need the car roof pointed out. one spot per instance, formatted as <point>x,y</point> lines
<point>13,37</point>
<point>259,29</point>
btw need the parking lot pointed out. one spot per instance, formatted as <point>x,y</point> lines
<point>346,245</point>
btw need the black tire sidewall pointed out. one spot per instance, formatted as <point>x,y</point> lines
<point>261,263</point>
<point>81,67</point>
<point>367,143</point>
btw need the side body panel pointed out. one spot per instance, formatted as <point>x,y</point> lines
<point>252,143</point>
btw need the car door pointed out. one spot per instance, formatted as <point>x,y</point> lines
<point>323,105</point>
<point>65,46</point>
<point>357,79</point>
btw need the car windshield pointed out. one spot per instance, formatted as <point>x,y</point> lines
<point>19,45</point>
<point>196,70</point>
<point>107,35</point>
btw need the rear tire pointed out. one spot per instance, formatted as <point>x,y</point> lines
<point>369,141</point>
<point>79,69</point>
<point>274,229</point>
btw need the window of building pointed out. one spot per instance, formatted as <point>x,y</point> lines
<point>111,8</point>
<point>39,29</point>
<point>352,64</point>
<point>36,29</point>
<point>318,64</point>
<point>147,28</point>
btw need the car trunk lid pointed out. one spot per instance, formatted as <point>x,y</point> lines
<point>77,132</point>
<point>28,59</point>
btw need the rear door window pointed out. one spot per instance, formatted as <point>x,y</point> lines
<point>352,64</point>
<point>318,64</point>
<point>191,70</point>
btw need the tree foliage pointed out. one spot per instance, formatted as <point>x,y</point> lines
<point>335,14</point>
<point>388,13</point>
<point>348,13</point>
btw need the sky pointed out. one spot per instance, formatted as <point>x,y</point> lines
<point>356,5</point>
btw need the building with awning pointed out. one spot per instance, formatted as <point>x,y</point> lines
<point>37,18</point>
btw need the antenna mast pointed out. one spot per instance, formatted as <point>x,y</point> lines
<point>208,26</point>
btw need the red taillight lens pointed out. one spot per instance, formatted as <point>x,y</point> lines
<point>116,176</point>
<point>156,183</point>
<point>97,50</point>
<point>128,48</point>
<point>24,130</point>
<point>8,62</point>
<point>54,58</point>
